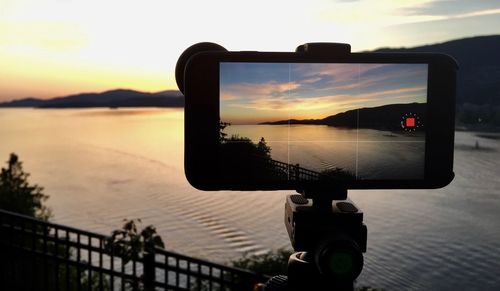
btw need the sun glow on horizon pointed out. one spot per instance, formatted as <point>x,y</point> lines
<point>52,48</point>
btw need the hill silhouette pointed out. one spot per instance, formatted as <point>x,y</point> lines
<point>386,117</point>
<point>478,94</point>
<point>113,98</point>
<point>479,61</point>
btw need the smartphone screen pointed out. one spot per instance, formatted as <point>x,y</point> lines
<point>314,121</point>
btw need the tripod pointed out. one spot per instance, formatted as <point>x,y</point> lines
<point>327,232</point>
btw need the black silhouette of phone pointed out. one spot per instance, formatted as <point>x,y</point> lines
<point>267,121</point>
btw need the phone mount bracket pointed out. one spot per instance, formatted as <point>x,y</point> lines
<point>325,48</point>
<point>321,197</point>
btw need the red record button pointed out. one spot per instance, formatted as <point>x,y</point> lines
<point>410,122</point>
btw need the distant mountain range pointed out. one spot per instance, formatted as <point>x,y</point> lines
<point>478,81</point>
<point>386,117</point>
<point>113,99</point>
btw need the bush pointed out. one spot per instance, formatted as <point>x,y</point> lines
<point>272,263</point>
<point>17,195</point>
<point>275,263</point>
<point>130,243</point>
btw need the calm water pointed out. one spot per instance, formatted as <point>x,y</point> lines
<point>367,153</point>
<point>100,166</point>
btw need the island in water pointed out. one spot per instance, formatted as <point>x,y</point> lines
<point>386,117</point>
<point>112,99</point>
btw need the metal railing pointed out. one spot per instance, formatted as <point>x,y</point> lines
<point>38,255</point>
<point>295,172</point>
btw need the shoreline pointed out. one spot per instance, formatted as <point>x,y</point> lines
<point>483,128</point>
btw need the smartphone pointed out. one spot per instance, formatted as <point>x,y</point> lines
<point>269,121</point>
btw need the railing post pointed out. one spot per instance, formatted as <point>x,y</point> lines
<point>149,275</point>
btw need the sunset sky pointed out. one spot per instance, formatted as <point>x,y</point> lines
<point>258,92</point>
<point>51,48</point>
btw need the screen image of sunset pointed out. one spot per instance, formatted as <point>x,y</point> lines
<point>251,93</point>
<point>312,121</point>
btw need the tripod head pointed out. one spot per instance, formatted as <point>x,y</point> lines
<point>327,232</point>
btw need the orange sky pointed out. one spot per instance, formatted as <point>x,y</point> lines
<point>52,48</point>
<point>261,92</point>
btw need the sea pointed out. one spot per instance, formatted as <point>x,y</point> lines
<point>101,166</point>
<point>366,153</point>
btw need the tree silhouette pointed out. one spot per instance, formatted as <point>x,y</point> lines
<point>130,243</point>
<point>17,195</point>
<point>263,148</point>
<point>222,134</point>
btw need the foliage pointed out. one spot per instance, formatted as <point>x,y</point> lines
<point>275,263</point>
<point>16,193</point>
<point>263,148</point>
<point>130,243</point>
<point>272,263</point>
<point>222,134</point>
<point>241,158</point>
<point>237,138</point>
<point>94,282</point>
<point>260,149</point>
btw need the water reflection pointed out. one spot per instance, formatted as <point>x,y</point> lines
<point>367,153</point>
<point>101,168</point>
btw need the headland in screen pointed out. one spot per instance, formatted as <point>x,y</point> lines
<point>311,121</point>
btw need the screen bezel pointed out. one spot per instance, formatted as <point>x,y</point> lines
<point>202,116</point>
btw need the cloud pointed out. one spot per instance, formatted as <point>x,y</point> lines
<point>320,90</point>
<point>333,102</point>
<point>352,79</point>
<point>392,92</point>
<point>257,90</point>
<point>451,8</point>
<point>226,96</point>
<point>311,80</point>
<point>262,104</point>
<point>333,75</point>
<point>340,71</point>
